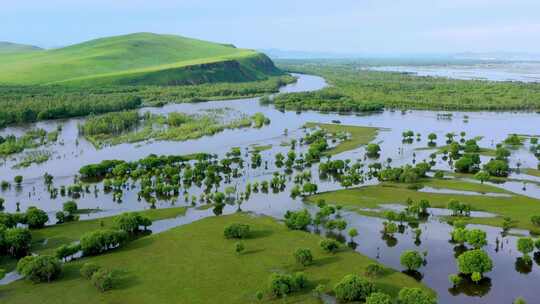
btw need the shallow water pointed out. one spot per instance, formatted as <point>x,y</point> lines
<point>494,127</point>
<point>519,71</point>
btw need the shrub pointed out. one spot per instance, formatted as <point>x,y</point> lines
<point>70,207</point>
<point>412,260</point>
<point>303,256</point>
<point>535,219</point>
<point>131,222</point>
<point>378,298</point>
<point>36,218</point>
<point>99,241</point>
<point>41,268</point>
<point>283,284</point>
<point>17,241</point>
<point>239,247</point>
<point>473,261</point>
<point>236,231</point>
<point>415,296</point>
<point>353,288</point>
<point>65,251</point>
<point>88,269</point>
<point>329,245</point>
<point>102,280</point>
<point>374,270</point>
<point>298,220</point>
<point>476,238</point>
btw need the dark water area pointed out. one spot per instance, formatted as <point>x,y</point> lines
<point>507,281</point>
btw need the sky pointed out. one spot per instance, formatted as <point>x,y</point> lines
<point>339,26</point>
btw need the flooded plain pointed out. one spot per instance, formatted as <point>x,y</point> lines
<point>508,280</point>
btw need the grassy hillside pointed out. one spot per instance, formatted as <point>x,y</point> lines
<point>9,48</point>
<point>141,58</point>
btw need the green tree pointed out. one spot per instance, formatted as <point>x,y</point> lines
<point>353,288</point>
<point>88,269</point>
<point>303,256</point>
<point>473,261</point>
<point>298,220</point>
<point>412,260</point>
<point>353,233</point>
<point>378,298</point>
<point>41,268</point>
<point>102,280</point>
<point>476,238</point>
<point>525,245</point>
<point>329,245</point>
<point>36,218</point>
<point>373,150</point>
<point>236,231</point>
<point>415,296</point>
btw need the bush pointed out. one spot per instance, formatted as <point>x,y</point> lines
<point>70,207</point>
<point>17,241</point>
<point>88,270</point>
<point>374,270</point>
<point>303,256</point>
<point>298,220</point>
<point>96,242</point>
<point>36,218</point>
<point>329,245</point>
<point>283,284</point>
<point>473,261</point>
<point>535,219</point>
<point>378,298</point>
<point>65,251</point>
<point>41,268</point>
<point>415,296</point>
<point>412,260</point>
<point>353,288</point>
<point>236,231</point>
<point>102,280</point>
<point>131,222</point>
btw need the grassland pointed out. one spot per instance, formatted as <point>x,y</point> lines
<point>353,88</point>
<point>196,264</point>
<point>519,208</point>
<point>358,135</point>
<point>121,58</point>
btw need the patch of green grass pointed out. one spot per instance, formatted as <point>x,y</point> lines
<point>261,148</point>
<point>358,135</point>
<point>196,264</point>
<point>518,207</point>
<point>533,172</point>
<point>457,184</point>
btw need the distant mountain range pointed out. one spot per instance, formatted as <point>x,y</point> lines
<point>466,56</point>
<point>9,47</point>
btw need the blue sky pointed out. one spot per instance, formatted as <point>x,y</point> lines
<point>347,26</point>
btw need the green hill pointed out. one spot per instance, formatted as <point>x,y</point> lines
<point>141,58</point>
<point>10,48</point>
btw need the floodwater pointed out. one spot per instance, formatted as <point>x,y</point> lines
<point>517,71</point>
<point>507,281</point>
